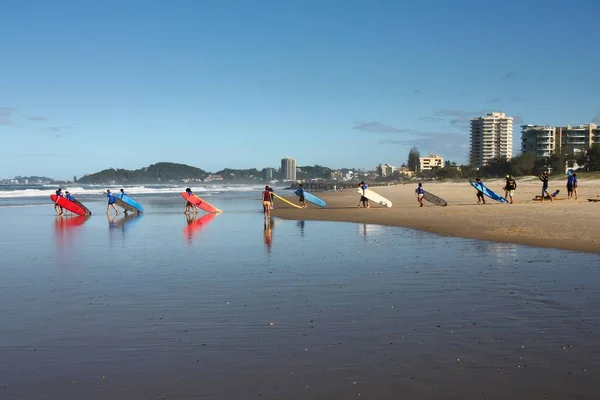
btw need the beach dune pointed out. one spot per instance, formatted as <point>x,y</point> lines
<point>562,224</point>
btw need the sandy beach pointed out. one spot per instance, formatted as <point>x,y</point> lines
<point>562,224</point>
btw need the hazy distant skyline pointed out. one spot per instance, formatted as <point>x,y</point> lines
<point>124,84</point>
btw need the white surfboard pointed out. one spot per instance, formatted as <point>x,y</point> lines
<point>375,197</point>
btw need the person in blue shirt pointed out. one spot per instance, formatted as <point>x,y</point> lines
<point>69,196</point>
<point>57,208</point>
<point>123,193</point>
<point>420,192</point>
<point>111,202</point>
<point>302,201</point>
<point>189,206</point>
<point>570,180</point>
<point>575,185</point>
<point>365,202</point>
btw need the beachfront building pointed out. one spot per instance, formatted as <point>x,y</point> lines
<point>491,137</point>
<point>538,140</point>
<point>431,161</point>
<point>385,170</point>
<point>267,174</point>
<point>288,169</point>
<point>543,141</point>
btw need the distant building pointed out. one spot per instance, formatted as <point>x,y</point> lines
<point>491,137</point>
<point>432,160</point>
<point>288,169</point>
<point>211,178</point>
<point>267,174</point>
<point>385,170</point>
<point>543,141</point>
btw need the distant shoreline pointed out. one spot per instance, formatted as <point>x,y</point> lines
<point>568,224</point>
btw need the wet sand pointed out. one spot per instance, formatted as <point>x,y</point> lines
<point>563,224</point>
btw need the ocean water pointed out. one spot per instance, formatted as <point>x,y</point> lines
<point>235,307</point>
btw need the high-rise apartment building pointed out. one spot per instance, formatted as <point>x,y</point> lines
<point>288,169</point>
<point>491,137</point>
<point>386,170</point>
<point>432,160</point>
<point>267,174</point>
<point>543,141</point>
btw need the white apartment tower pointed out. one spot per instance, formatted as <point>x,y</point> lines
<point>491,137</point>
<point>288,169</point>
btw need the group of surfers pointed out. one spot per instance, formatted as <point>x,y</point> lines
<point>111,201</point>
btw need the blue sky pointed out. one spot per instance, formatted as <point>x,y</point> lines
<point>90,85</point>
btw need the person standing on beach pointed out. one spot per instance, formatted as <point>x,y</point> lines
<point>480,196</point>
<point>57,208</point>
<point>420,192</point>
<point>363,199</point>
<point>575,185</point>
<point>272,195</point>
<point>189,205</point>
<point>111,202</point>
<point>544,178</point>
<point>510,187</point>
<point>570,179</point>
<point>267,198</point>
<point>301,200</point>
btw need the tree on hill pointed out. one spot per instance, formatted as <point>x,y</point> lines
<point>159,172</point>
<point>413,159</point>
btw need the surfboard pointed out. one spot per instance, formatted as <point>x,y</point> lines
<point>87,211</point>
<point>432,198</point>
<point>375,197</point>
<point>488,192</point>
<point>594,200</point>
<point>67,204</point>
<point>134,206</point>
<point>200,203</point>
<point>286,201</point>
<point>311,198</point>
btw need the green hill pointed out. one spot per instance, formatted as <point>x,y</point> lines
<point>163,172</point>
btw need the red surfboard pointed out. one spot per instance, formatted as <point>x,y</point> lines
<point>67,204</point>
<point>201,204</point>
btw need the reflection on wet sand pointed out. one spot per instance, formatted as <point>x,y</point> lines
<point>195,224</point>
<point>301,224</point>
<point>268,226</point>
<point>116,222</point>
<point>65,232</point>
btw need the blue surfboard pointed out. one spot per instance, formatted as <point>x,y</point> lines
<point>129,201</point>
<point>488,192</point>
<point>311,198</point>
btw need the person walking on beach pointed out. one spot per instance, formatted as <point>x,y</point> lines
<point>266,202</point>
<point>189,206</point>
<point>544,178</point>
<point>363,199</point>
<point>301,200</point>
<point>510,187</point>
<point>480,196</point>
<point>420,192</point>
<point>575,184</point>
<point>111,202</point>
<point>57,208</point>
<point>272,196</point>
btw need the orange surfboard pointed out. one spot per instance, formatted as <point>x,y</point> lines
<point>200,203</point>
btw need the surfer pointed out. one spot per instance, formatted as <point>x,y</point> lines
<point>544,178</point>
<point>272,192</point>
<point>420,192</point>
<point>480,197</point>
<point>573,179</point>
<point>267,199</point>
<point>363,199</point>
<point>553,195</point>
<point>111,202</point>
<point>510,187</point>
<point>301,195</point>
<point>189,205</point>
<point>57,208</point>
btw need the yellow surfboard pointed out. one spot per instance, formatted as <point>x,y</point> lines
<point>284,200</point>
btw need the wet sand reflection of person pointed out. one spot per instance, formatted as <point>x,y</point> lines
<point>268,233</point>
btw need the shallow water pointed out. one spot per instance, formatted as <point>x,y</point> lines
<point>155,307</point>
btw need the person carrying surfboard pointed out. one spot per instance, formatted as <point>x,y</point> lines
<point>575,184</point>
<point>189,205</point>
<point>111,202</point>
<point>267,199</point>
<point>272,196</point>
<point>420,192</point>
<point>301,196</point>
<point>480,197</point>
<point>57,208</point>
<point>363,199</point>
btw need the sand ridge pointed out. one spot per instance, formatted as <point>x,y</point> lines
<point>564,224</point>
